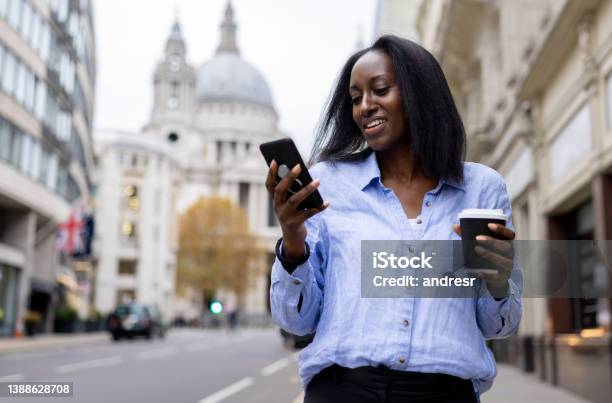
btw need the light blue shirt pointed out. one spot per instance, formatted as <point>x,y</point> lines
<point>434,335</point>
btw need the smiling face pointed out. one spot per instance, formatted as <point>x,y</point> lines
<point>377,104</point>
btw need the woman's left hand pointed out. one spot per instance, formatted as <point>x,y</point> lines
<point>500,253</point>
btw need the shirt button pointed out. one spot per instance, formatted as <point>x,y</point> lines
<point>419,221</point>
<point>402,360</point>
<point>296,282</point>
<point>428,203</point>
<point>406,323</point>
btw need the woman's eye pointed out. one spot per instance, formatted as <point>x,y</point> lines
<point>382,91</point>
<point>356,100</point>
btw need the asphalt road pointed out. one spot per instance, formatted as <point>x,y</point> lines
<point>189,365</point>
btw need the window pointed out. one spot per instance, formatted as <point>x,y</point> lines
<point>131,200</point>
<point>3,8</point>
<point>16,141</point>
<point>41,99</point>
<point>125,296</point>
<point>26,19</point>
<point>272,220</point>
<point>5,141</point>
<point>127,267</point>
<point>21,82</point>
<point>35,32</point>
<point>2,53</point>
<point>52,172</point>
<point>35,160</point>
<point>8,74</point>
<point>26,152</point>
<point>15,13</point>
<point>609,99</point>
<point>219,151</point>
<point>128,229</point>
<point>243,195</point>
<point>29,91</point>
<point>572,143</point>
<point>45,41</point>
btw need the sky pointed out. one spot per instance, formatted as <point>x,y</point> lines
<point>298,45</point>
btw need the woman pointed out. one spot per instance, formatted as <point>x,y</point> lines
<point>390,165</point>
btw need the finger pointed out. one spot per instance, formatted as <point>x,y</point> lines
<point>498,245</point>
<point>280,191</point>
<point>271,177</point>
<point>457,229</point>
<point>502,230</point>
<point>297,198</point>
<point>313,211</point>
<point>496,259</point>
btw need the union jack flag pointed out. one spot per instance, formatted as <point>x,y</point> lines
<point>75,235</point>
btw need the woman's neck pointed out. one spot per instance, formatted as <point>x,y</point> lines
<point>397,166</point>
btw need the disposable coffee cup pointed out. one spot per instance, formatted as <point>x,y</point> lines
<point>475,222</point>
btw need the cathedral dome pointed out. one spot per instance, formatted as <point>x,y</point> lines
<point>227,77</point>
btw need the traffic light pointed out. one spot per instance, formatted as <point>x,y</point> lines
<point>216,307</point>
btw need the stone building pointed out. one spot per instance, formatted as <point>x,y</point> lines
<point>213,119</point>
<point>136,234</point>
<point>533,82</point>
<point>47,80</point>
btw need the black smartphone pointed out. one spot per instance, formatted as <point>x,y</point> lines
<point>286,155</point>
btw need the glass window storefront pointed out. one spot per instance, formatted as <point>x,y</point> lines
<point>8,299</point>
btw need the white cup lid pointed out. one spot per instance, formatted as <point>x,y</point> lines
<point>493,214</point>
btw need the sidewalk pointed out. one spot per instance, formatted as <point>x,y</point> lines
<point>512,385</point>
<point>50,341</point>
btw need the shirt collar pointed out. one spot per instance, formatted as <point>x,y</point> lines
<point>368,171</point>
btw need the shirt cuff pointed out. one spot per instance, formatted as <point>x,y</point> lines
<point>293,283</point>
<point>493,307</point>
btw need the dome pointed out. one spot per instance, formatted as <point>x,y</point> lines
<point>227,77</point>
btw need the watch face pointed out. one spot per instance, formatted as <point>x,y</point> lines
<point>174,66</point>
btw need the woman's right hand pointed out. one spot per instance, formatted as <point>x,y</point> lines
<point>290,218</point>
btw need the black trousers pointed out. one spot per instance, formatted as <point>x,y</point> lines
<point>338,384</point>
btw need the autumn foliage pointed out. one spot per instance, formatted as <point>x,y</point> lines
<point>216,249</point>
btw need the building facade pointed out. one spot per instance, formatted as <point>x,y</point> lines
<point>136,235</point>
<point>533,82</point>
<point>213,118</point>
<point>47,77</point>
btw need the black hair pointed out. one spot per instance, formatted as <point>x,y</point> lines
<point>437,135</point>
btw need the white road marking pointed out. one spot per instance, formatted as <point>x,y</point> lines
<point>78,366</point>
<point>228,391</point>
<point>300,398</point>
<point>275,366</point>
<point>160,352</point>
<point>12,378</point>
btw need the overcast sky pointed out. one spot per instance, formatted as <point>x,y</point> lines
<point>298,45</point>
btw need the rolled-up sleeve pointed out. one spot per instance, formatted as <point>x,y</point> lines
<point>500,318</point>
<point>307,281</point>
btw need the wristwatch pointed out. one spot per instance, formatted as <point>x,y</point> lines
<point>291,264</point>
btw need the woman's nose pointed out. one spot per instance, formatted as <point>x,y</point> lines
<point>368,106</point>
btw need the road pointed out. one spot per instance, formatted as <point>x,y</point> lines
<point>190,365</point>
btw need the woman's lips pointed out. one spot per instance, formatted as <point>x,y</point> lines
<point>373,131</point>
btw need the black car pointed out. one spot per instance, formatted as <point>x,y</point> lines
<point>135,319</point>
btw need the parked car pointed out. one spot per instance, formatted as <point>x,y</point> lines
<point>135,319</point>
<point>294,341</point>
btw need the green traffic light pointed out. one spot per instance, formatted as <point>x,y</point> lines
<point>216,307</point>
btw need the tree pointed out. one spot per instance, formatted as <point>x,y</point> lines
<point>216,249</point>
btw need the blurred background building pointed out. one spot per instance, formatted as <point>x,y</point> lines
<point>212,119</point>
<point>47,77</point>
<point>136,241</point>
<point>533,83</point>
